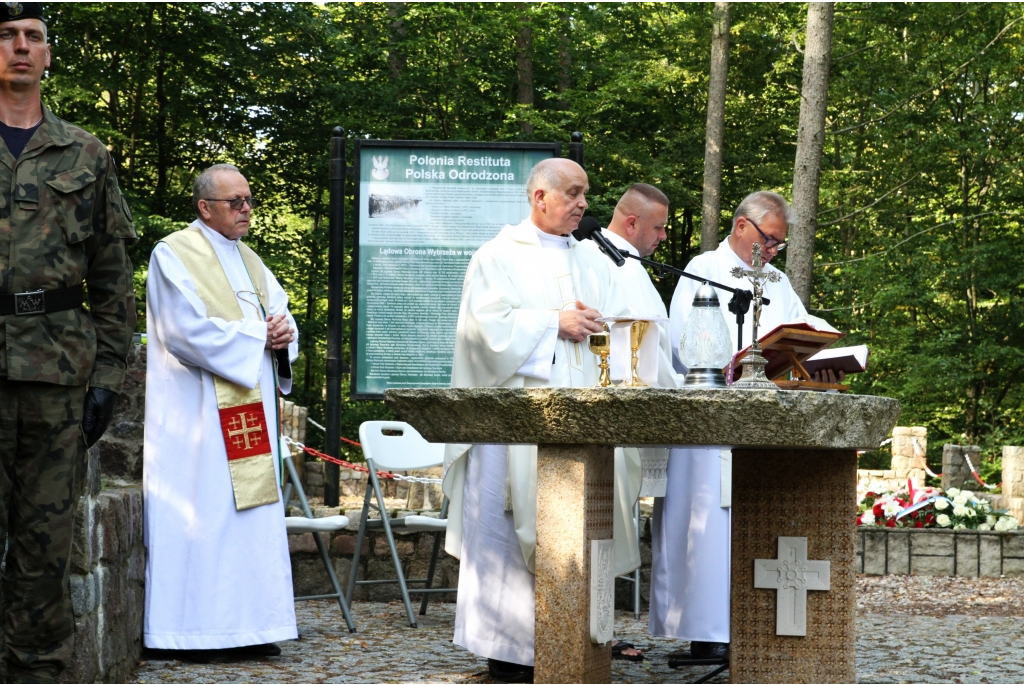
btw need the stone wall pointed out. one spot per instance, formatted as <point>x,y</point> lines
<point>1013,480</point>
<point>909,452</point>
<point>909,449</point>
<point>930,552</point>
<point>108,567</point>
<point>120,448</point>
<point>955,471</point>
<point>108,561</point>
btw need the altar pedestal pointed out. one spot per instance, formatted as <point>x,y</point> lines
<point>794,477</point>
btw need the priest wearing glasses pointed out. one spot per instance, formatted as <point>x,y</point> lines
<point>690,572</point>
<point>221,343</point>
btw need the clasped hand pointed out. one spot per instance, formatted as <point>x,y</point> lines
<point>577,324</point>
<point>279,333</point>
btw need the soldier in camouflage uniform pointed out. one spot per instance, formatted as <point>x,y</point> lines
<point>63,223</point>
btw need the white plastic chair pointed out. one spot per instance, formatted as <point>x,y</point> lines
<point>297,525</point>
<point>403,450</point>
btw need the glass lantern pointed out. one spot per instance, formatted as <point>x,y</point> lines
<point>705,346</point>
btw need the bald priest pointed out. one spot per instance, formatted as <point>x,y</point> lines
<point>530,298</point>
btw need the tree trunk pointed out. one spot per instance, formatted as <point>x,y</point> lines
<point>809,144</point>
<point>163,145</point>
<point>564,60</point>
<point>396,60</point>
<point>524,64</point>
<point>711,206</point>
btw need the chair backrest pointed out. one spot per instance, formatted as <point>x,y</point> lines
<point>404,451</point>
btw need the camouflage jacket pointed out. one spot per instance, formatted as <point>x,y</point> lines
<point>63,221</point>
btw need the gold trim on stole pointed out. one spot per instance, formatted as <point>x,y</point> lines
<point>244,427</point>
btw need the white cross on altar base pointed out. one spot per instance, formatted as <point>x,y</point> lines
<point>792,575</point>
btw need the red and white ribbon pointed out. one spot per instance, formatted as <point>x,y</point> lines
<point>921,505</point>
<point>919,453</point>
<point>974,473</point>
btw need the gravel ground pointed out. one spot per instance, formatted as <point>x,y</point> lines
<point>909,629</point>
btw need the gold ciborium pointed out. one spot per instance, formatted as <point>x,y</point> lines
<point>601,344</point>
<point>637,330</point>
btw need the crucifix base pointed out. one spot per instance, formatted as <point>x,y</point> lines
<point>753,373</point>
<point>793,493</point>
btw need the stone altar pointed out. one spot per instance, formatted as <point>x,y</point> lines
<point>794,475</point>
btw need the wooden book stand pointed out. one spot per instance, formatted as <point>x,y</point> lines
<point>785,348</point>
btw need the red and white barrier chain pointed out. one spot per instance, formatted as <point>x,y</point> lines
<point>919,453</point>
<point>974,473</point>
<point>357,467</point>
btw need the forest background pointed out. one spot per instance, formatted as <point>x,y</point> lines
<point>919,252</point>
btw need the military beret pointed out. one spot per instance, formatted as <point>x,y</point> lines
<point>13,11</point>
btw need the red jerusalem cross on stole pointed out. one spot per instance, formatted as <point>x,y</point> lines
<point>247,437</point>
<point>247,441</point>
<point>244,431</point>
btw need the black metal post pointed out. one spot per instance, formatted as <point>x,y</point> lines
<point>335,310</point>
<point>576,147</point>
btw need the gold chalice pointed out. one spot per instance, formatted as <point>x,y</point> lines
<point>601,344</point>
<point>637,330</point>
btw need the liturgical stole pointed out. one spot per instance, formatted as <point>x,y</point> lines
<point>242,419</point>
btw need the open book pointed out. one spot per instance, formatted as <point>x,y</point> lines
<point>853,359</point>
<point>790,346</point>
<point>790,343</point>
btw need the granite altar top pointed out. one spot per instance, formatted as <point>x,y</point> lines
<point>647,416</point>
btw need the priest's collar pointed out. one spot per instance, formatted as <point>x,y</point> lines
<point>621,243</point>
<point>553,242</point>
<point>215,237</point>
<point>726,252</point>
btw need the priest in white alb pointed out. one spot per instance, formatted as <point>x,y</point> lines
<point>638,227</point>
<point>220,345</point>
<point>690,570</point>
<point>530,298</point>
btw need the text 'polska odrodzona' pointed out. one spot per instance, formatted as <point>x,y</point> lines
<point>458,168</point>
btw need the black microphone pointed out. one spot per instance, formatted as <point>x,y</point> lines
<point>590,228</point>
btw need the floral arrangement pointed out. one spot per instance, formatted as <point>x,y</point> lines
<point>931,508</point>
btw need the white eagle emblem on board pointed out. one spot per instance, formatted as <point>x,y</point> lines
<point>380,168</point>
<point>14,8</point>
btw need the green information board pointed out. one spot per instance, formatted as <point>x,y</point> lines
<point>422,210</point>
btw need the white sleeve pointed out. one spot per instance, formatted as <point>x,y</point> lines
<point>538,365</point>
<point>229,349</point>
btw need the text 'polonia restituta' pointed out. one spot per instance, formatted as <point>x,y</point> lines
<point>454,168</point>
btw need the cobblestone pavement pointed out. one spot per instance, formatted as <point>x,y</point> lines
<point>909,629</point>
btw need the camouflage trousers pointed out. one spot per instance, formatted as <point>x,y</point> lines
<point>41,447</point>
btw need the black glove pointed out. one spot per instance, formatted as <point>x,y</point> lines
<point>99,410</point>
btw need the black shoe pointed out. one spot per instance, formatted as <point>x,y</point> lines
<point>256,651</point>
<point>507,672</point>
<point>709,650</point>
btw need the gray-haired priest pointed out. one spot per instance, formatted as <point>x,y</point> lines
<point>221,342</point>
<point>529,299</point>
<point>690,570</point>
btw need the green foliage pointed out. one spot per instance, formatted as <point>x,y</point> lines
<point>921,184</point>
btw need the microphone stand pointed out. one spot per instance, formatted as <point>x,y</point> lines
<point>738,305</point>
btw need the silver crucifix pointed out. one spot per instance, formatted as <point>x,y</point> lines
<point>754,363</point>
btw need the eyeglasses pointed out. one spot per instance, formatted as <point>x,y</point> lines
<point>769,243</point>
<point>236,203</point>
